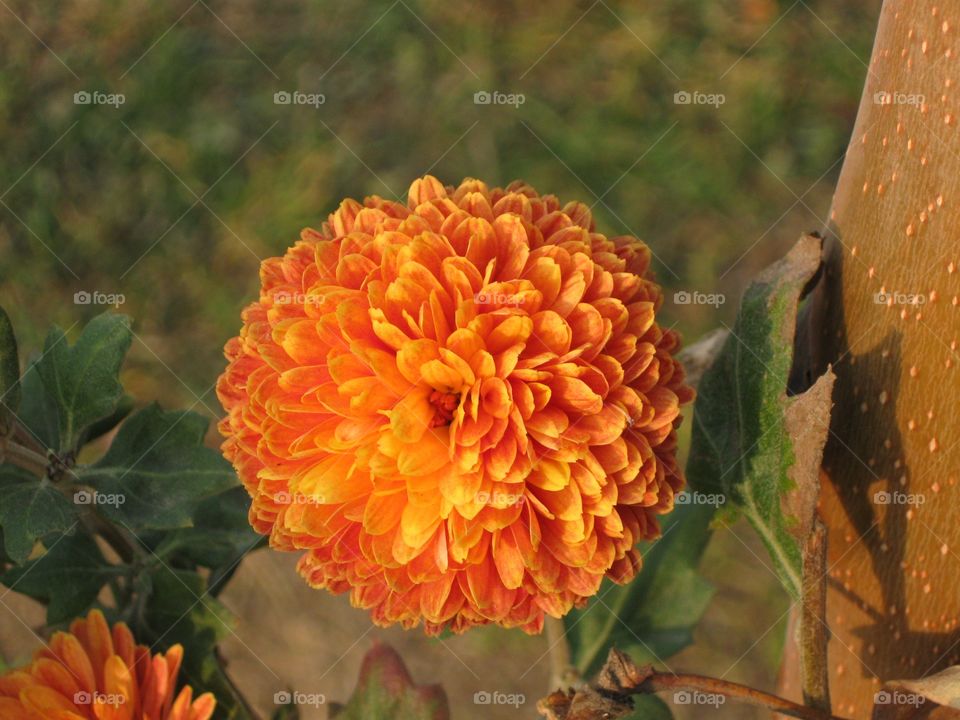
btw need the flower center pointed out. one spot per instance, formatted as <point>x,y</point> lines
<point>444,405</point>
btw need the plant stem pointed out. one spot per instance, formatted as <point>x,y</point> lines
<point>660,682</point>
<point>562,671</point>
<point>17,454</point>
<point>814,634</point>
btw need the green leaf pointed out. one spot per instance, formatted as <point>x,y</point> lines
<point>83,378</point>
<point>221,532</point>
<point>38,410</point>
<point>68,577</point>
<point>752,443</point>
<point>386,691</point>
<point>180,610</point>
<point>101,427</point>
<point>159,470</point>
<point>9,371</point>
<point>652,617</point>
<point>30,508</point>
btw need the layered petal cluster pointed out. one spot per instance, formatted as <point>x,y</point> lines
<point>98,673</point>
<point>462,408</point>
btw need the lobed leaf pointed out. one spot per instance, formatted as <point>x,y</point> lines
<point>83,378</point>
<point>159,469</point>
<point>30,508</point>
<point>68,577</point>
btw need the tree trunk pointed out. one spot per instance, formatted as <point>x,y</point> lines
<point>890,320</point>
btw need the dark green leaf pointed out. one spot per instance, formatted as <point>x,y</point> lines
<point>38,410</point>
<point>29,509</point>
<point>102,427</point>
<point>180,610</point>
<point>752,443</point>
<point>83,378</point>
<point>68,577</point>
<point>221,531</point>
<point>9,371</point>
<point>386,691</point>
<point>652,617</point>
<point>159,469</point>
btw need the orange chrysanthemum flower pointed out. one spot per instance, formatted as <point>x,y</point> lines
<point>463,409</point>
<point>95,673</point>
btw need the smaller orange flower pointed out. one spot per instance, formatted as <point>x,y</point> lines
<point>95,673</point>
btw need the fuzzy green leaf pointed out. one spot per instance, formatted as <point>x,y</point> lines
<point>159,470</point>
<point>9,371</point>
<point>83,378</point>
<point>68,577</point>
<point>652,617</point>
<point>752,443</point>
<point>30,508</point>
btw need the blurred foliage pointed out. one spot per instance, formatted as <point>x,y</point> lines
<point>170,198</point>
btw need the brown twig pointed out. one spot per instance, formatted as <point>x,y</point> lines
<point>23,457</point>
<point>619,679</point>
<point>814,634</point>
<point>661,682</point>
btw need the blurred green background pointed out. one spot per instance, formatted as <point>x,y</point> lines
<point>172,197</point>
